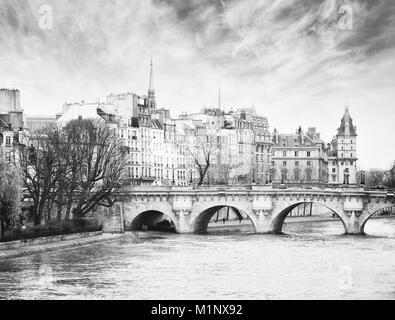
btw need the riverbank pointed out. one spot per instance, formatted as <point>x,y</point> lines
<point>14,250</point>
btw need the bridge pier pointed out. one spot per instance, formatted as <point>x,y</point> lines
<point>182,221</point>
<point>262,220</point>
<point>353,223</point>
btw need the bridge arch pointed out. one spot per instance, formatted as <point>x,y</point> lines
<point>203,216</point>
<point>278,221</point>
<point>370,212</point>
<point>154,220</point>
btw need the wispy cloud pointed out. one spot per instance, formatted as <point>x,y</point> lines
<point>291,59</point>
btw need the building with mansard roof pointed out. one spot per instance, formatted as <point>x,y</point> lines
<point>299,158</point>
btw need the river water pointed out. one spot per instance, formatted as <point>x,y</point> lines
<point>312,260</point>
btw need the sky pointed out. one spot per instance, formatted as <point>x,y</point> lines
<point>297,62</point>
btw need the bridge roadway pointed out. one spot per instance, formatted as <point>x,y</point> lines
<point>191,208</point>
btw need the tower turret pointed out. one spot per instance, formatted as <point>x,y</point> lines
<point>346,139</point>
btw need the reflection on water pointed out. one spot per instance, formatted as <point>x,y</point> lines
<point>311,260</point>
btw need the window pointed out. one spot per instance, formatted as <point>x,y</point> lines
<point>308,163</point>
<point>308,153</point>
<point>296,153</point>
<point>351,162</point>
<point>334,170</point>
<point>296,163</point>
<point>8,141</point>
<point>284,163</point>
<point>351,155</point>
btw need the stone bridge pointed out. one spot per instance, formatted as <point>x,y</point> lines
<point>191,209</point>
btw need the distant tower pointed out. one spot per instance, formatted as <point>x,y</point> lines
<point>151,91</point>
<point>347,149</point>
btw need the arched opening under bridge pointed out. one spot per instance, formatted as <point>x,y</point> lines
<point>381,222</point>
<point>152,220</point>
<point>308,217</point>
<point>222,218</point>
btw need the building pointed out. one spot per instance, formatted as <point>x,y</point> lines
<point>242,150</point>
<point>12,125</point>
<point>299,158</point>
<point>342,156</point>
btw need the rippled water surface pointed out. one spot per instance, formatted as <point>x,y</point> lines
<point>313,260</point>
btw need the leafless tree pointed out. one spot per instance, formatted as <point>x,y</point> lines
<point>203,151</point>
<point>41,167</point>
<point>77,167</point>
<point>96,166</point>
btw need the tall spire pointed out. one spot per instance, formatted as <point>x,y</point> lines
<point>151,79</point>
<point>151,90</point>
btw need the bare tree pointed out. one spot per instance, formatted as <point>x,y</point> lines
<point>98,180</point>
<point>77,167</point>
<point>203,152</point>
<point>41,167</point>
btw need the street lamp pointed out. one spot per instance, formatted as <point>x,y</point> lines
<point>253,175</point>
<point>173,182</point>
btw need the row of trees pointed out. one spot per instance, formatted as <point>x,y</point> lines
<point>72,169</point>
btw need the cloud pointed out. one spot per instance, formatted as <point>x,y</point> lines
<point>290,59</point>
